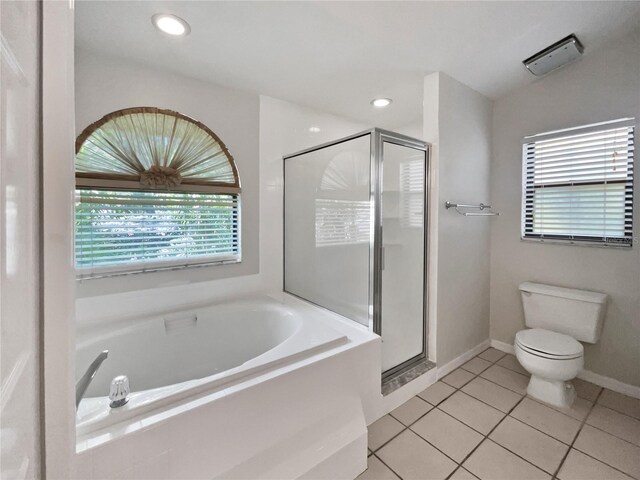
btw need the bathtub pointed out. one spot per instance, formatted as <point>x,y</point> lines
<point>210,364</point>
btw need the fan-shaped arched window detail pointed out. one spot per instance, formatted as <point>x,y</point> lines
<point>154,189</point>
<point>146,147</point>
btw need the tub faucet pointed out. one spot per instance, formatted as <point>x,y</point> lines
<point>83,383</point>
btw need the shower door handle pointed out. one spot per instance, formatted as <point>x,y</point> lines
<point>382,258</point>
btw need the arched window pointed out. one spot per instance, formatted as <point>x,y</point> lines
<point>154,189</point>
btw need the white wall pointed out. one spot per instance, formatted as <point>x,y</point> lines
<point>457,121</point>
<point>284,129</point>
<point>414,130</point>
<point>604,85</point>
<point>20,329</point>
<point>105,84</point>
<point>58,276</point>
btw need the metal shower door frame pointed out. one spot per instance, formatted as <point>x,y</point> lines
<point>379,138</point>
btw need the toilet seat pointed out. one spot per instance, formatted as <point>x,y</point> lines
<point>548,344</point>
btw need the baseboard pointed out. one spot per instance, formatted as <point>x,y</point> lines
<point>503,347</point>
<point>610,383</point>
<point>586,375</point>
<point>462,359</point>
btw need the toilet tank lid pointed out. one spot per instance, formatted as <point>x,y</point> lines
<point>570,293</point>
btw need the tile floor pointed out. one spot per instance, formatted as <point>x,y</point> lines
<point>477,422</point>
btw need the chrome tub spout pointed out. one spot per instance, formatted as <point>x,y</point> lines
<point>83,383</point>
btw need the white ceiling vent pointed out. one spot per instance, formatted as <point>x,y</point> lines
<point>555,56</point>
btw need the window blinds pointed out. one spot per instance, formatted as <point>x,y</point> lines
<point>138,230</point>
<point>578,184</point>
<point>412,185</point>
<point>342,222</point>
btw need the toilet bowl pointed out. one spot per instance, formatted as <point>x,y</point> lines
<point>552,359</point>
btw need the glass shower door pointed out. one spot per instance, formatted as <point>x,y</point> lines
<point>403,254</point>
<point>328,225</point>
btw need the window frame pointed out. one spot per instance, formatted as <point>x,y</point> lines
<point>104,271</point>
<point>623,242</point>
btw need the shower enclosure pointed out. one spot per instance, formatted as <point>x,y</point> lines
<point>354,237</point>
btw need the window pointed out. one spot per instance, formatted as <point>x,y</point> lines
<point>342,205</point>
<point>578,185</point>
<point>154,189</point>
<point>342,222</point>
<point>412,192</point>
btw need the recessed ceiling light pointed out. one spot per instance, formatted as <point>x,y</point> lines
<point>170,24</point>
<point>381,102</point>
<point>314,129</point>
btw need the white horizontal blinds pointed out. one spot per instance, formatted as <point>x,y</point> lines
<point>412,179</point>
<point>578,184</point>
<point>340,222</point>
<point>140,229</point>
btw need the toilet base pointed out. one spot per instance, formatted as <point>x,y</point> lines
<point>558,393</point>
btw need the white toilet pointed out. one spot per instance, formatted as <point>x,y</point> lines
<point>549,349</point>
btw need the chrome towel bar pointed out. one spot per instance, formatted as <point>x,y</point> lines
<point>480,207</point>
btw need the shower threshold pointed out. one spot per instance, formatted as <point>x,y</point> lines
<point>393,380</point>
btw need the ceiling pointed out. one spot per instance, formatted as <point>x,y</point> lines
<point>337,56</point>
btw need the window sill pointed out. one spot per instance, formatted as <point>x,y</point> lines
<point>108,272</point>
<point>578,243</point>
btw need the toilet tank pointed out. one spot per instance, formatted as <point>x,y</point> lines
<point>577,313</point>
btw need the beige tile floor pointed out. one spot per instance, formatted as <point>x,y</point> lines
<point>477,422</point>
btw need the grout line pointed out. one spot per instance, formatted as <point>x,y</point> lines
<point>600,461</point>
<point>616,411</point>
<point>541,431</point>
<point>388,441</point>
<point>486,437</point>
<point>575,437</point>
<point>438,449</point>
<point>460,467</point>
<point>382,461</point>
<point>467,425</point>
<point>463,385</point>
<point>612,434</point>
<point>420,417</point>
<point>474,373</point>
<point>482,401</point>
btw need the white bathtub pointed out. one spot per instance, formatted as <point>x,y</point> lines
<point>173,355</point>
<point>297,371</point>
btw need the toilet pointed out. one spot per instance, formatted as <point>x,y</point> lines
<point>558,319</point>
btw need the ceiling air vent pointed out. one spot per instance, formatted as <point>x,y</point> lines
<point>557,55</point>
